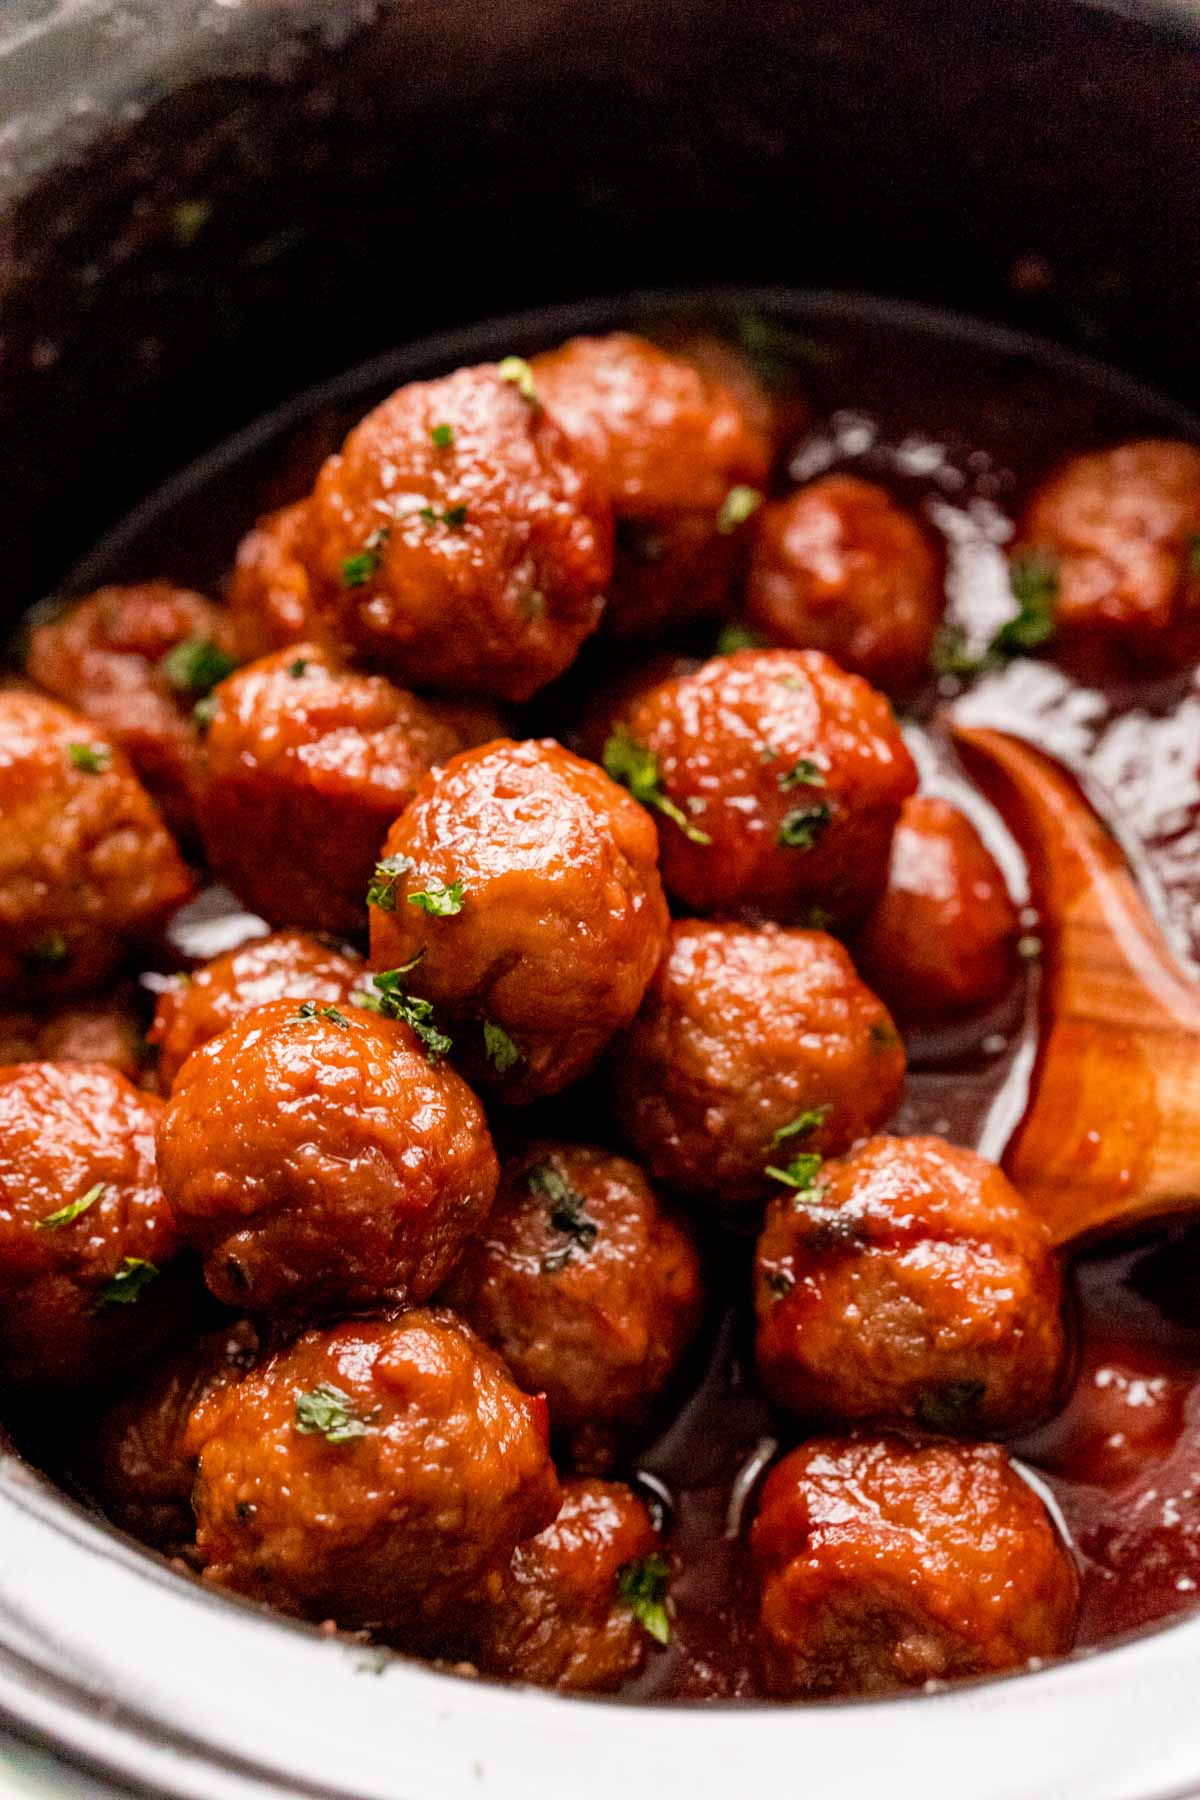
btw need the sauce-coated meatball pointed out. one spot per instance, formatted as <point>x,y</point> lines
<point>752,1047</point>
<point>840,567</point>
<point>136,660</point>
<point>305,767</point>
<point>85,1233</point>
<point>587,1287</point>
<point>319,1160</point>
<point>527,884</point>
<point>270,592</point>
<point>886,1563</point>
<point>910,1281</point>
<point>288,965</point>
<point>101,1030</point>
<point>457,541</point>
<point>557,1617</point>
<point>941,937</point>
<point>668,444</point>
<point>783,778</point>
<point>370,1473</point>
<point>86,866</point>
<point>1117,531</point>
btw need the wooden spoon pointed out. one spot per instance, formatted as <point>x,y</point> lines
<point>1111,1134</point>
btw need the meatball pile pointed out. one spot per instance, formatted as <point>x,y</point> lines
<point>387,1247</point>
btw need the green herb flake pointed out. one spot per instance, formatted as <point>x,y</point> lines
<point>637,769</point>
<point>805,773</point>
<point>134,1274</point>
<point>92,759</point>
<point>800,1174</point>
<point>883,1035</point>
<point>733,637</point>
<point>567,1213</point>
<point>816,918</point>
<point>439,901</point>
<point>203,714</point>
<point>951,653</point>
<point>517,371</point>
<point>804,1125</point>
<point>358,569</point>
<point>327,1412</point>
<point>643,1585</point>
<point>800,828</point>
<point>739,504</point>
<point>1034,579</point>
<point>453,516</point>
<point>297,668</point>
<point>310,1010</point>
<point>499,1048</point>
<point>951,1407</point>
<point>188,219</point>
<point>67,1214</point>
<point>393,1001</point>
<point>51,951</point>
<point>196,666</point>
<point>442,436</point>
<point>381,894</point>
<point>780,1282</point>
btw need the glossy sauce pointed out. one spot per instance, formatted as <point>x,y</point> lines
<point>958,422</point>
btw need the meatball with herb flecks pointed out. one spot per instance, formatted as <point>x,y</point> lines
<point>587,1286</point>
<point>85,1233</point>
<point>681,457</point>
<point>840,567</point>
<point>87,869</point>
<point>910,1281</point>
<point>884,1563</point>
<point>520,890</point>
<point>370,1473</point>
<point>319,1160</point>
<point>753,1048</point>
<point>305,766</point>
<point>776,780</point>
<point>457,541</point>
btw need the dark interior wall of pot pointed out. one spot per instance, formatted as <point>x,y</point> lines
<point>1031,160</point>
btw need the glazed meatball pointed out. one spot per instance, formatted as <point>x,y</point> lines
<point>588,1288</point>
<point>525,882</point>
<point>137,660</point>
<point>271,601</point>
<point>85,1234</point>
<point>682,460</point>
<point>557,1616</point>
<point>86,867</point>
<point>457,540</point>
<point>1115,533</point>
<point>370,1473</point>
<point>910,1281</point>
<point>752,1047</point>
<point>885,1563</point>
<point>320,1161</point>
<point>941,938</point>
<point>134,1457</point>
<point>305,767</point>
<point>101,1030</point>
<point>288,965</point>
<point>840,567</point>
<point>776,779</point>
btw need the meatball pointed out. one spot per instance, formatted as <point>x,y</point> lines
<point>886,1563</point>
<point>681,458</point>
<point>319,1161</point>
<point>288,965</point>
<point>557,1617</point>
<point>85,1233</point>
<point>941,938</point>
<point>910,1281</point>
<point>371,1473</point>
<point>305,767</point>
<point>104,1029</point>
<point>134,1459</point>
<point>777,780</point>
<point>752,1048</point>
<point>271,601</point>
<point>136,660</point>
<point>525,882</point>
<point>586,1285</point>
<point>1113,535</point>
<point>840,567</point>
<point>86,866</point>
<point>457,540</point>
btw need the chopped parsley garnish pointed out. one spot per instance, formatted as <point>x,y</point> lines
<point>453,516</point>
<point>310,1010</point>
<point>780,1282</point>
<point>51,951</point>
<point>567,1214</point>
<point>739,504</point>
<point>805,773</point>
<point>951,1407</point>
<point>358,569</point>
<point>196,666</point>
<point>392,1001</point>
<point>816,918</point>
<point>1034,581</point>
<point>800,1174</point>
<point>800,829</point>
<point>951,653</point>
<point>382,892</point>
<point>499,1048</point>
<point>883,1035</point>
<point>733,637</point>
<point>439,901</point>
<point>297,668</point>
<point>443,436</point>
<point>134,1274</point>
<point>92,759</point>
<point>642,1585</point>
<point>637,769</point>
<point>518,371</point>
<point>203,713</point>
<point>66,1214</point>
<point>327,1412</point>
<point>802,1126</point>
